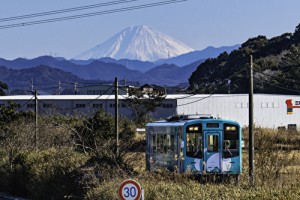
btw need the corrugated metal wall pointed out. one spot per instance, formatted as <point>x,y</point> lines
<point>269,110</point>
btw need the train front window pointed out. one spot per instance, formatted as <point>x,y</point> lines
<point>231,141</point>
<point>194,141</point>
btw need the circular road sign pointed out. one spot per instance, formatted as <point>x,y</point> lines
<point>130,190</point>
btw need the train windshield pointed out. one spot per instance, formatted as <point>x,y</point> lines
<point>231,141</point>
<point>162,146</point>
<point>194,141</point>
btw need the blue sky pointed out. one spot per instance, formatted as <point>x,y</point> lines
<point>197,23</point>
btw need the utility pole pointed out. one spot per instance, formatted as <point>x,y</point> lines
<point>251,137</point>
<point>75,88</point>
<point>36,120</point>
<point>117,113</point>
<point>31,86</point>
<point>228,83</point>
<point>59,88</point>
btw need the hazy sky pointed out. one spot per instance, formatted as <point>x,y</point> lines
<point>197,23</point>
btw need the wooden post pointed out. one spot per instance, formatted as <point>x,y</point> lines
<point>36,121</point>
<point>117,113</point>
<point>251,137</point>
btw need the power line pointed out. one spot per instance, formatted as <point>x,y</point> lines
<point>280,87</point>
<point>30,100</point>
<point>229,77</point>
<point>284,79</point>
<point>221,88</point>
<point>54,12</point>
<point>88,103</point>
<point>92,14</point>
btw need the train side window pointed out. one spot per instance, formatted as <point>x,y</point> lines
<point>154,143</point>
<point>160,143</point>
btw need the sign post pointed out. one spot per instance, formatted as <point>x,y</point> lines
<point>130,190</point>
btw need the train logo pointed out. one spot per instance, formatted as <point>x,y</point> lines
<point>290,105</point>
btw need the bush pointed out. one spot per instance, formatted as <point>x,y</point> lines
<point>48,174</point>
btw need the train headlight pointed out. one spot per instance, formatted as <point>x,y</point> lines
<point>230,128</point>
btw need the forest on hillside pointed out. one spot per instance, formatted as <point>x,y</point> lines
<point>276,65</point>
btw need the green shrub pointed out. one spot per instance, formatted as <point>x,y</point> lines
<point>47,174</point>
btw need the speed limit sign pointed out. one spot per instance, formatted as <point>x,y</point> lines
<point>130,190</point>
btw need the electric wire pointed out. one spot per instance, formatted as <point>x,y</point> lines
<point>210,95</point>
<point>229,77</point>
<point>124,9</point>
<point>86,104</point>
<point>185,97</point>
<point>30,100</point>
<point>54,12</point>
<point>280,87</point>
<point>284,79</point>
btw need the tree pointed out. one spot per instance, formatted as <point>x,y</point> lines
<point>97,134</point>
<point>96,137</point>
<point>3,86</point>
<point>290,63</point>
<point>256,43</point>
<point>8,114</point>
<point>290,67</point>
<point>14,131</point>
<point>142,103</point>
<point>297,34</point>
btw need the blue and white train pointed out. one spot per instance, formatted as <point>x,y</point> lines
<point>199,144</point>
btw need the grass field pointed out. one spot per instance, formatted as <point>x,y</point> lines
<point>73,162</point>
<point>277,175</point>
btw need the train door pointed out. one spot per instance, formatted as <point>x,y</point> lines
<point>212,152</point>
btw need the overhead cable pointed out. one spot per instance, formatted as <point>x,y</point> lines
<point>210,95</point>
<point>142,6</point>
<point>280,87</point>
<point>54,12</point>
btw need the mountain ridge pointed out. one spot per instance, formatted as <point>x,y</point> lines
<point>137,43</point>
<point>275,64</point>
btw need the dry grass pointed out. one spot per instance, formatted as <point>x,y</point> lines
<point>277,175</point>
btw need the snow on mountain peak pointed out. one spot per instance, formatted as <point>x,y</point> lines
<point>137,43</point>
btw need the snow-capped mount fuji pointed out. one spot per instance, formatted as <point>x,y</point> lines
<point>137,43</point>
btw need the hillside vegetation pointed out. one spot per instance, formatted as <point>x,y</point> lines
<point>276,67</point>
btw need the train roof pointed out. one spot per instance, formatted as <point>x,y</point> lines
<point>189,121</point>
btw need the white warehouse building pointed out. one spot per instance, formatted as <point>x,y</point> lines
<point>271,111</point>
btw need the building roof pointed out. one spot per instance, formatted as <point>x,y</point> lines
<point>110,97</point>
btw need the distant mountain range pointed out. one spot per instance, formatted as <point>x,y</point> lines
<point>137,43</point>
<point>181,60</point>
<point>139,54</point>
<point>97,70</point>
<point>188,58</point>
<point>44,78</point>
<point>169,72</point>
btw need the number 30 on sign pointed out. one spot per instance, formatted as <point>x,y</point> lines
<point>130,190</point>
